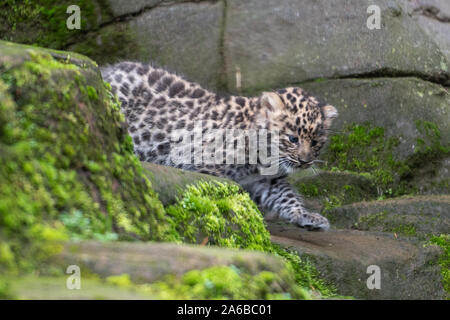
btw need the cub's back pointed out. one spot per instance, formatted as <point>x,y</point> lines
<point>155,102</point>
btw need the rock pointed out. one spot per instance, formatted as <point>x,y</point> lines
<point>170,271</point>
<point>184,37</point>
<point>408,269</point>
<point>320,39</point>
<point>398,105</point>
<point>120,8</point>
<point>211,43</point>
<point>407,216</point>
<point>121,270</point>
<point>54,288</point>
<point>149,262</point>
<point>65,157</point>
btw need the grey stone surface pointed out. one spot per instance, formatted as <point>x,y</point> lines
<point>185,38</point>
<point>406,216</point>
<point>278,42</point>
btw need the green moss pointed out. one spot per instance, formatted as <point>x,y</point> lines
<point>385,222</point>
<point>429,145</point>
<point>365,149</point>
<point>309,189</point>
<point>5,290</point>
<point>218,282</point>
<point>372,219</point>
<point>66,160</point>
<point>122,280</point>
<point>443,241</point>
<point>227,282</point>
<point>329,204</point>
<point>43,23</point>
<point>222,213</point>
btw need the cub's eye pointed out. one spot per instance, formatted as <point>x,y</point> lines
<point>293,139</point>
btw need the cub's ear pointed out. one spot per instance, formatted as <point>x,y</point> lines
<point>330,113</point>
<point>271,101</point>
<point>271,106</point>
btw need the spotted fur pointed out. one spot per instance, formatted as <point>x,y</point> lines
<point>157,103</point>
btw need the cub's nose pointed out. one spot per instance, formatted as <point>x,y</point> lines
<point>305,160</point>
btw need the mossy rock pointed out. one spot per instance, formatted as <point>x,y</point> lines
<point>409,216</point>
<point>67,166</point>
<point>369,151</point>
<point>208,209</point>
<point>44,22</point>
<point>413,114</point>
<point>149,262</point>
<point>409,269</point>
<point>326,40</point>
<point>184,37</point>
<point>161,271</point>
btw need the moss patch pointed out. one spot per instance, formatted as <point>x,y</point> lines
<point>365,149</point>
<point>219,214</point>
<point>223,214</point>
<point>43,22</point>
<point>227,282</point>
<point>65,155</point>
<point>443,241</point>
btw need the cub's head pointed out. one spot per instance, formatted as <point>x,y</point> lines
<point>302,123</point>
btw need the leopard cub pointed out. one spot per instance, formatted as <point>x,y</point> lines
<point>158,104</point>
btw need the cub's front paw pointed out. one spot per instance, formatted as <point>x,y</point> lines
<point>311,221</point>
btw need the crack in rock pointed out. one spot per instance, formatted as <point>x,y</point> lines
<point>432,12</point>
